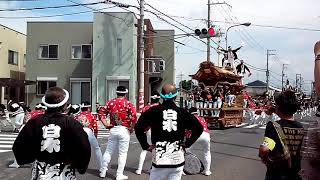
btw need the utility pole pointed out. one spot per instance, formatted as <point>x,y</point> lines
<point>208,39</point>
<point>300,83</point>
<point>282,81</point>
<point>267,73</point>
<point>209,25</point>
<point>298,78</point>
<point>141,40</point>
<point>312,85</point>
<point>219,42</point>
<point>180,89</point>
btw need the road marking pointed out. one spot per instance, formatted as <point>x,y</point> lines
<point>251,126</point>
<point>8,135</point>
<point>263,127</point>
<point>5,146</point>
<point>241,125</point>
<point>1,151</point>
<point>103,133</point>
<point>9,138</point>
<point>6,142</point>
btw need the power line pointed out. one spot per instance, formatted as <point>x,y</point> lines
<point>252,24</point>
<point>244,34</point>
<point>54,15</point>
<point>115,3</point>
<point>175,26</point>
<point>231,18</point>
<point>50,7</point>
<point>163,14</point>
<point>276,27</point>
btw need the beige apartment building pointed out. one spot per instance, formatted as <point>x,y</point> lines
<point>12,65</point>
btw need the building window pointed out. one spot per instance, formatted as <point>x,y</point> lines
<point>83,51</point>
<point>80,91</point>
<point>48,51</point>
<point>162,65</point>
<point>112,85</point>
<point>43,86</point>
<point>119,51</point>
<point>13,57</point>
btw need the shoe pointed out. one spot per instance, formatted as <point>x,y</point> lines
<point>207,173</point>
<point>138,171</point>
<point>103,172</point>
<point>14,165</point>
<point>183,173</point>
<point>121,177</point>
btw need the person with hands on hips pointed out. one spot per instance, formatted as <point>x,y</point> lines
<point>168,124</point>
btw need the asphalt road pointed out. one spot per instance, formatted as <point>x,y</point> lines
<point>234,157</point>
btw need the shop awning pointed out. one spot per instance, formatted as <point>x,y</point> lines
<point>9,82</point>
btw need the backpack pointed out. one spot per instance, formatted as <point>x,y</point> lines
<point>284,156</point>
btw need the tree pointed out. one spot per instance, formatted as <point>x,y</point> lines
<point>186,84</point>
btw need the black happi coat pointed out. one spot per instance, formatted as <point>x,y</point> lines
<point>71,152</point>
<point>168,124</point>
<point>242,68</point>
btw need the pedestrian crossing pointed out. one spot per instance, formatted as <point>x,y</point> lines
<point>7,139</point>
<point>103,133</point>
<point>251,126</point>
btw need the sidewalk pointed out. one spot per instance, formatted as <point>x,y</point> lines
<point>311,149</point>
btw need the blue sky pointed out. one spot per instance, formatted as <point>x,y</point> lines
<point>294,48</point>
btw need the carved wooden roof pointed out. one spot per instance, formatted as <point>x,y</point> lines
<point>209,74</point>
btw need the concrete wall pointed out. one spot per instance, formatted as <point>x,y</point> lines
<point>65,34</point>
<point>163,45</point>
<point>106,31</point>
<point>15,41</point>
<point>255,91</point>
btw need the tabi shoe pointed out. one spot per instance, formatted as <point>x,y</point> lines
<point>207,173</point>
<point>121,177</point>
<point>103,172</point>
<point>138,171</point>
<point>14,165</point>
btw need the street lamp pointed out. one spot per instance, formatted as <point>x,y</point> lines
<point>243,24</point>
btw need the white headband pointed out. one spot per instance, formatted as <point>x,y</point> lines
<point>75,106</point>
<point>15,105</point>
<point>155,97</point>
<point>123,92</point>
<point>64,101</point>
<point>82,105</point>
<point>40,106</point>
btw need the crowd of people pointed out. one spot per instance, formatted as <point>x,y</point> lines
<point>259,110</point>
<point>57,138</point>
<point>50,134</point>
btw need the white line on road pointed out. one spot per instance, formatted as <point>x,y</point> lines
<point>8,135</point>
<point>251,126</point>
<point>7,138</point>
<point>262,127</point>
<point>242,124</point>
<point>5,146</point>
<point>6,142</point>
<point>1,151</point>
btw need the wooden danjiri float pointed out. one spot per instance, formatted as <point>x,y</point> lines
<point>211,76</point>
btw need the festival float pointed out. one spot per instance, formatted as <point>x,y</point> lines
<point>211,76</point>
